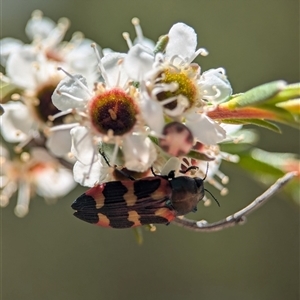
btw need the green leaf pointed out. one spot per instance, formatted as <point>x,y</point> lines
<point>257,95</point>
<point>258,122</point>
<point>293,106</point>
<point>256,166</point>
<point>282,115</point>
<point>235,148</point>
<point>291,91</point>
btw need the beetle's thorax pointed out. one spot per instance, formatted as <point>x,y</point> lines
<point>186,193</point>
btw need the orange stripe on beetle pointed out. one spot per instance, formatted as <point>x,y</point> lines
<point>103,220</point>
<point>134,217</point>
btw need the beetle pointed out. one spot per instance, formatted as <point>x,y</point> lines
<point>158,199</point>
<point>130,203</point>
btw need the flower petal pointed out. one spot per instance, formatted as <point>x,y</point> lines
<point>16,122</point>
<point>182,41</point>
<point>8,46</point>
<point>113,69</point>
<point>204,129</point>
<point>39,27</point>
<point>70,94</point>
<point>231,128</point>
<point>139,153</point>
<point>59,142</point>
<point>173,164</point>
<point>54,182</point>
<point>138,61</point>
<point>152,113</point>
<point>82,60</point>
<point>83,147</point>
<point>20,67</point>
<point>89,175</point>
<point>145,42</point>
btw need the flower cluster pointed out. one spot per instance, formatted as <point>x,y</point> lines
<point>74,106</point>
<point>151,103</point>
<point>31,77</point>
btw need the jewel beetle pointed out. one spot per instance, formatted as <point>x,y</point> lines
<point>130,203</point>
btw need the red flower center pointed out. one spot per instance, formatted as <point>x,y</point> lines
<point>113,110</point>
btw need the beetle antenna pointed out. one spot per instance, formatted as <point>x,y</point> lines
<point>171,174</point>
<point>120,171</point>
<point>152,171</point>
<point>206,172</point>
<point>213,196</point>
<point>104,157</point>
<point>188,169</point>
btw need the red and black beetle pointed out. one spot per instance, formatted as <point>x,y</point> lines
<point>131,203</point>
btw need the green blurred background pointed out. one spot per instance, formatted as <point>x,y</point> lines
<point>52,255</point>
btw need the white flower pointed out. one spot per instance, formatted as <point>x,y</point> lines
<point>215,85</point>
<point>180,50</point>
<point>28,68</point>
<point>44,34</point>
<point>172,86</point>
<point>30,65</point>
<point>33,69</point>
<point>107,114</point>
<point>44,29</point>
<point>30,173</point>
